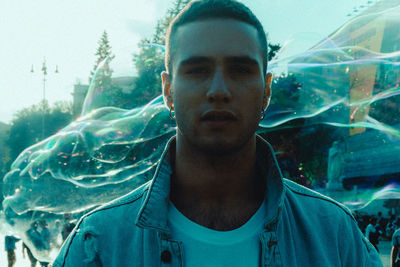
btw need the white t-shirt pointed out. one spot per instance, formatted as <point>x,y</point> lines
<point>206,247</point>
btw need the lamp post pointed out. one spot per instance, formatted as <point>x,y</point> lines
<point>44,71</point>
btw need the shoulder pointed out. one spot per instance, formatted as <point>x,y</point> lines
<point>328,221</point>
<point>119,206</point>
<point>314,201</point>
<point>99,227</point>
<point>113,215</point>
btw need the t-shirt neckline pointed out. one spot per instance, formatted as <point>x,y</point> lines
<point>198,232</point>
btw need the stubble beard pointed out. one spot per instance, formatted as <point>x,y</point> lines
<point>215,146</point>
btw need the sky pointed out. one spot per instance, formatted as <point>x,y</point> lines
<point>66,34</point>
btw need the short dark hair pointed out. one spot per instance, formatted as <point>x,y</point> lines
<point>210,9</point>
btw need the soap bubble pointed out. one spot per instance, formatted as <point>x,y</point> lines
<point>334,119</point>
<point>99,157</point>
<point>365,197</point>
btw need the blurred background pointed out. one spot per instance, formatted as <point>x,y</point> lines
<point>82,121</point>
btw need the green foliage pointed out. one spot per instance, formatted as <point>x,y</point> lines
<point>26,126</point>
<point>285,91</point>
<point>107,92</point>
<point>272,50</point>
<point>4,151</point>
<point>103,52</point>
<point>107,95</point>
<point>302,149</point>
<point>314,168</point>
<point>149,64</point>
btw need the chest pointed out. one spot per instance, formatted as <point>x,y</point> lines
<point>219,217</point>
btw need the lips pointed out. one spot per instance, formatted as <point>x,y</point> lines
<point>218,115</point>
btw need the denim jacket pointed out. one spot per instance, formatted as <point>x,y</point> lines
<point>302,228</point>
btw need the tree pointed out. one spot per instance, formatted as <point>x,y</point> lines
<point>272,50</point>
<point>286,92</point>
<point>26,126</point>
<point>105,92</point>
<point>103,52</point>
<point>4,151</point>
<point>149,64</point>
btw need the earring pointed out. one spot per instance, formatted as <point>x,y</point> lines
<point>262,115</point>
<point>170,114</point>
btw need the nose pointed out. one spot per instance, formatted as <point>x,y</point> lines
<point>218,91</point>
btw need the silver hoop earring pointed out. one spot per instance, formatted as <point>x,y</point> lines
<point>170,114</point>
<point>262,115</point>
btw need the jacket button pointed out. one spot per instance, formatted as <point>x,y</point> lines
<point>166,256</point>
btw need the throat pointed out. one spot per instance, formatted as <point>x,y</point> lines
<point>220,193</point>
<point>218,217</point>
<point>222,205</point>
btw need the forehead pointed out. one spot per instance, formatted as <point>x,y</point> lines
<point>216,39</point>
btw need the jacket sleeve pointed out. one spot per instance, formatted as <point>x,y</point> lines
<point>356,250</point>
<point>372,257</point>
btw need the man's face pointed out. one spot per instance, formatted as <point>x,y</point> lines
<point>217,89</point>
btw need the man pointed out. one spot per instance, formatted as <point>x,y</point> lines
<point>371,233</point>
<point>34,236</point>
<point>395,256</point>
<point>9,245</point>
<point>32,258</point>
<point>217,197</point>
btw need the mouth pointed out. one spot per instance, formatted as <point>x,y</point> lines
<point>218,116</point>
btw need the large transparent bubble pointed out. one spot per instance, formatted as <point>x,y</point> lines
<point>333,121</point>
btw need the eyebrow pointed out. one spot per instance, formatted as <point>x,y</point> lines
<point>246,60</point>
<point>195,61</point>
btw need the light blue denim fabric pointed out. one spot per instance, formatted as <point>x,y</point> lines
<point>303,227</point>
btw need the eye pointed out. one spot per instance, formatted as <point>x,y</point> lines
<point>241,70</point>
<point>197,70</point>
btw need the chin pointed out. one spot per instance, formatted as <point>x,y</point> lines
<point>215,143</point>
<point>220,145</point>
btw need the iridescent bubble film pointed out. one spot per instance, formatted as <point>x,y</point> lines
<point>99,157</point>
<point>333,121</point>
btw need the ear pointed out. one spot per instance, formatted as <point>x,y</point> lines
<point>166,90</point>
<point>267,90</point>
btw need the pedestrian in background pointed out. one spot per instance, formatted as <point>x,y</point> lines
<point>10,248</point>
<point>372,234</point>
<point>32,258</point>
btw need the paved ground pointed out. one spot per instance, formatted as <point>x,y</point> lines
<point>384,248</point>
<point>384,251</point>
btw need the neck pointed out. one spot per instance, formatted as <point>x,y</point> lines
<point>202,182</point>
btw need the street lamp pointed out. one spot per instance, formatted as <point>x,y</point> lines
<point>44,71</point>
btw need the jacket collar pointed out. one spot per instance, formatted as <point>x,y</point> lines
<point>269,167</point>
<point>153,213</point>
